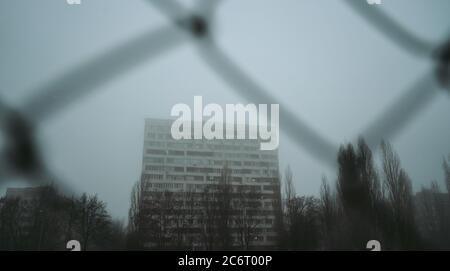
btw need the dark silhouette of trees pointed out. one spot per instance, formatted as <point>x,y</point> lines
<point>433,213</point>
<point>359,193</point>
<point>184,217</point>
<point>12,231</point>
<point>329,212</point>
<point>49,220</point>
<point>199,217</point>
<point>224,214</point>
<point>159,216</point>
<point>400,201</point>
<point>224,209</point>
<point>301,218</point>
<point>93,221</point>
<point>39,223</point>
<point>247,209</point>
<point>136,219</point>
<point>216,213</point>
<point>160,221</point>
<point>208,218</point>
<point>344,219</point>
<point>446,167</point>
<point>367,204</point>
<point>304,228</point>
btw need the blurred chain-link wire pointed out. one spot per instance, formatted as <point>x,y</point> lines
<point>20,155</point>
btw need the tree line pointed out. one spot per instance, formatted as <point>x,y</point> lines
<point>49,220</point>
<point>367,203</point>
<point>218,216</point>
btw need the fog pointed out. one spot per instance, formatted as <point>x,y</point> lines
<point>320,60</point>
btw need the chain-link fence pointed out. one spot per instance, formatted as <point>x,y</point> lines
<point>21,155</point>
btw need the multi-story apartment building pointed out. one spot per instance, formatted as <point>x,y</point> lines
<point>193,167</point>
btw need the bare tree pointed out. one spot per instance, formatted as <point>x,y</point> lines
<point>187,213</point>
<point>329,216</point>
<point>160,216</point>
<point>301,218</point>
<point>217,213</point>
<point>47,220</point>
<point>304,227</point>
<point>247,208</point>
<point>399,193</point>
<point>138,220</point>
<point>360,196</point>
<point>289,189</point>
<point>446,168</point>
<point>134,213</point>
<point>93,219</point>
<point>224,208</point>
<point>208,217</point>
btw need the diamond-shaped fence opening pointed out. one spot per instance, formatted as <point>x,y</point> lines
<point>20,155</point>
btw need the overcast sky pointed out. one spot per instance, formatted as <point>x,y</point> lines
<point>318,57</point>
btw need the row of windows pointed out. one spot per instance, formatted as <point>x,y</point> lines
<point>216,171</point>
<point>211,142</point>
<point>148,177</point>
<point>163,168</point>
<point>152,177</point>
<point>236,188</point>
<point>171,177</point>
<point>231,145</point>
<point>208,161</point>
<point>233,171</point>
<point>236,222</point>
<point>192,166</point>
<point>165,185</point>
<point>204,154</point>
<point>167,169</point>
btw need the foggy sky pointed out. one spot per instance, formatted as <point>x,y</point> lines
<point>318,57</point>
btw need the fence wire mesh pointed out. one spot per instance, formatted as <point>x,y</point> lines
<point>20,155</point>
